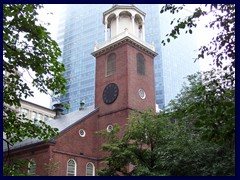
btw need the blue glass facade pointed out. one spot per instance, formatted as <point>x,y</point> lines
<point>82,27</point>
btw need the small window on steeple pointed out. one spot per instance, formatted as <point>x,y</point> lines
<point>111,64</point>
<point>140,64</point>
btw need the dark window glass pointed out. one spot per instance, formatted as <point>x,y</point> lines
<point>140,64</point>
<point>111,64</point>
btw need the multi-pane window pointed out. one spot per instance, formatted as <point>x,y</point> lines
<point>90,169</point>
<point>111,64</point>
<point>34,115</point>
<point>140,64</point>
<point>46,118</point>
<point>39,116</point>
<point>24,112</point>
<point>71,168</point>
<point>32,167</point>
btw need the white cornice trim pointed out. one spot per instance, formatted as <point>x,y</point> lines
<point>127,39</point>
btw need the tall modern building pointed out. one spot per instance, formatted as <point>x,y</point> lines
<point>81,28</point>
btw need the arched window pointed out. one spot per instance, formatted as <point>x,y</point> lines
<point>140,64</point>
<point>32,167</point>
<point>111,64</point>
<point>71,167</point>
<point>90,169</point>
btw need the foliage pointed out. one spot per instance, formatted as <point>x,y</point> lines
<point>51,167</point>
<point>209,104</point>
<point>15,167</point>
<point>222,46</point>
<point>193,136</point>
<point>117,147</point>
<point>27,46</point>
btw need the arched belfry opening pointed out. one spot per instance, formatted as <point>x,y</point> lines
<point>123,23</point>
<point>121,18</point>
<point>140,27</point>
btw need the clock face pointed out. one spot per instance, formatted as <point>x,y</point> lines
<point>110,93</point>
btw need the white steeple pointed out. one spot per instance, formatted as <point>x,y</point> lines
<point>122,18</point>
<point>124,23</point>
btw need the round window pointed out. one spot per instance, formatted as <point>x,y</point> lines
<point>109,128</point>
<point>82,133</point>
<point>142,93</point>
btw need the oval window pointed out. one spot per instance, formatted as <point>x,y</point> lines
<point>82,133</point>
<point>109,128</point>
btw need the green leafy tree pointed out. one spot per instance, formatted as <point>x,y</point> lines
<point>16,167</point>
<point>138,147</point>
<point>51,167</point>
<point>27,46</point>
<point>119,150</point>
<point>222,47</point>
<point>207,107</point>
<point>200,140</point>
<point>193,136</point>
<point>208,103</point>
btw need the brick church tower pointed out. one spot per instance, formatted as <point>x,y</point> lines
<point>124,66</point>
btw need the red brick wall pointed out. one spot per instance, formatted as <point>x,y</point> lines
<point>62,160</point>
<point>136,81</point>
<point>70,145</point>
<point>119,118</point>
<point>39,154</point>
<point>129,82</point>
<point>127,79</point>
<point>119,77</point>
<point>71,141</point>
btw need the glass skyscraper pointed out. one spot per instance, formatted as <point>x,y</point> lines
<point>82,27</point>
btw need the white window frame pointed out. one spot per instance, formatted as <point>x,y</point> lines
<point>33,115</point>
<point>39,116</point>
<point>109,128</point>
<point>25,112</point>
<point>93,169</point>
<point>83,131</point>
<point>32,167</point>
<point>75,168</point>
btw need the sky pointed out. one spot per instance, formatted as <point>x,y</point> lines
<point>45,100</point>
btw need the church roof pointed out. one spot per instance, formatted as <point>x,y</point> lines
<point>63,123</point>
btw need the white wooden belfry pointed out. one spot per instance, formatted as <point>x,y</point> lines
<point>124,17</point>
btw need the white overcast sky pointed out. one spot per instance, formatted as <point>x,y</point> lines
<point>204,35</point>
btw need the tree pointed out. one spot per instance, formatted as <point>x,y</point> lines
<point>193,136</point>
<point>207,107</point>
<point>27,46</point>
<point>200,140</point>
<point>208,104</point>
<point>138,147</point>
<point>222,47</point>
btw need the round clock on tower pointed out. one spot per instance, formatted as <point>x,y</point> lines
<point>110,93</point>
